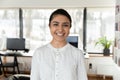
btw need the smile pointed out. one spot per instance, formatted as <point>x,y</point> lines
<point>60,34</point>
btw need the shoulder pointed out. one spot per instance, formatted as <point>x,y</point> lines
<point>75,50</point>
<point>38,51</point>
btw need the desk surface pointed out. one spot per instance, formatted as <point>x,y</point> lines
<point>19,54</point>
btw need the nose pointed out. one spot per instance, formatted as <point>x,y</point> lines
<point>61,28</point>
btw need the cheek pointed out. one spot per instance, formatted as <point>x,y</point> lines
<point>67,31</point>
<point>52,30</point>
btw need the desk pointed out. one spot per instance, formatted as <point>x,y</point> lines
<point>24,59</point>
<point>10,64</point>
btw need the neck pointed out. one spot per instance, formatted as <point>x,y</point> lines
<point>58,44</point>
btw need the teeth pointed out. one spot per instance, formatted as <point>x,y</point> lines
<point>60,34</point>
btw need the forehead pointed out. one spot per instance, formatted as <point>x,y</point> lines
<point>60,18</point>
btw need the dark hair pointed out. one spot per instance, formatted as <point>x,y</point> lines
<point>61,12</point>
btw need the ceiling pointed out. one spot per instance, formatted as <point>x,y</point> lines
<point>57,3</point>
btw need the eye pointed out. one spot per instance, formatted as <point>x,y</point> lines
<point>66,25</point>
<point>55,24</point>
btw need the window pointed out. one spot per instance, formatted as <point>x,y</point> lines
<point>100,22</point>
<point>9,25</point>
<point>9,22</point>
<point>36,30</point>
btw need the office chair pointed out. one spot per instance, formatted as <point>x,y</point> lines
<point>13,64</point>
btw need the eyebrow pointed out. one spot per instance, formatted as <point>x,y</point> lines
<point>55,22</point>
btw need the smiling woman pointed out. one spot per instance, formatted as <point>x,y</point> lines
<point>58,60</point>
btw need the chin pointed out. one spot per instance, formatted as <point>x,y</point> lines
<point>60,40</point>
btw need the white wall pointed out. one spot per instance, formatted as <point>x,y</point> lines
<point>56,3</point>
<point>103,65</point>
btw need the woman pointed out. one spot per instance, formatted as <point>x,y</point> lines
<point>58,60</point>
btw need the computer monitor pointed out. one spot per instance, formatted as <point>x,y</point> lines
<point>73,40</point>
<point>15,44</point>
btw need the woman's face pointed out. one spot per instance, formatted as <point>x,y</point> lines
<point>59,28</point>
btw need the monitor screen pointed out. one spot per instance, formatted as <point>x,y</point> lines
<point>15,44</point>
<point>73,40</point>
